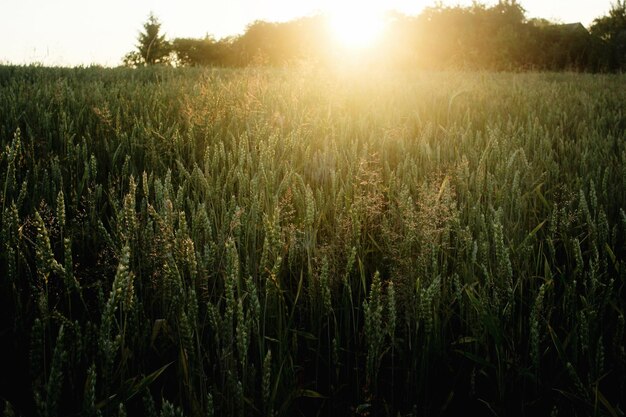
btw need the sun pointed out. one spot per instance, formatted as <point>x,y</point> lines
<point>357,26</point>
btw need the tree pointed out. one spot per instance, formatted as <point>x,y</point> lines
<point>192,52</point>
<point>133,59</point>
<point>153,48</point>
<point>612,30</point>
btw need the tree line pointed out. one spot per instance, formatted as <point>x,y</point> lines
<point>497,37</point>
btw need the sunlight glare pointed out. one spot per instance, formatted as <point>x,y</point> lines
<point>357,26</point>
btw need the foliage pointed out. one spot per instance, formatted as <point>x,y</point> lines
<point>497,37</point>
<point>205,52</point>
<point>612,30</point>
<point>152,49</point>
<point>190,241</point>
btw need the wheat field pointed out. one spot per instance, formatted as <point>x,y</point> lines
<point>284,242</point>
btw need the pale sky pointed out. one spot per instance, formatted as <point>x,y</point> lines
<point>83,32</point>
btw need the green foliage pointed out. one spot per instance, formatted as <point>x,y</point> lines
<point>497,37</point>
<point>611,29</point>
<point>152,48</point>
<point>204,52</point>
<point>189,241</point>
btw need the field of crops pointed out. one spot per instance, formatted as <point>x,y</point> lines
<point>289,242</point>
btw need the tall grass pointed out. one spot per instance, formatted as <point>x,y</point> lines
<point>284,242</point>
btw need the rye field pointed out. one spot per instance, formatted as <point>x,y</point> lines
<point>302,242</point>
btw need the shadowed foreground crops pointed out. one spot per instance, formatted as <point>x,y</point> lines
<point>287,242</point>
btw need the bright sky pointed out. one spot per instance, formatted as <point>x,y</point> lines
<point>83,32</point>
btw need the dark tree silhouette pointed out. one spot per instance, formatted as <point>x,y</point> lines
<point>203,52</point>
<point>497,37</point>
<point>152,48</point>
<point>611,30</point>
